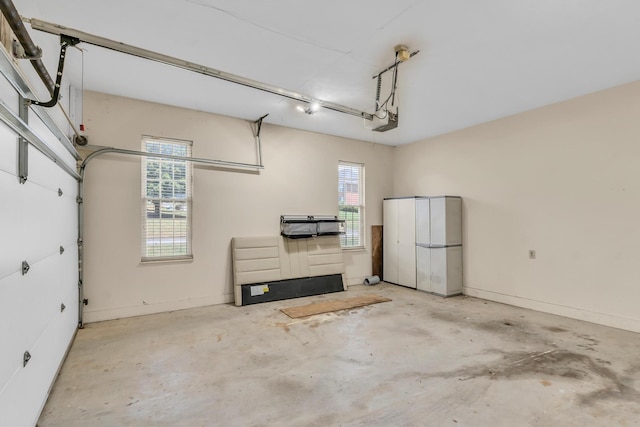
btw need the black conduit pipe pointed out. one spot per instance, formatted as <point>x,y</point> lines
<point>31,50</point>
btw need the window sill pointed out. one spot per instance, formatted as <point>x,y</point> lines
<point>355,249</point>
<point>166,260</point>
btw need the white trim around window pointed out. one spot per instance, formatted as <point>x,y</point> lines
<point>166,201</point>
<point>351,204</point>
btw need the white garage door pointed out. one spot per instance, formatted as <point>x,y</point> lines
<point>38,225</point>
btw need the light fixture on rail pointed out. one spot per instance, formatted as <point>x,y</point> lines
<point>105,43</point>
<point>310,109</point>
<point>384,118</point>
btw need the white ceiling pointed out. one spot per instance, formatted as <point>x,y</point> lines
<point>478,60</point>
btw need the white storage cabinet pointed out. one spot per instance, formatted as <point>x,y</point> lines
<point>399,240</point>
<point>422,243</point>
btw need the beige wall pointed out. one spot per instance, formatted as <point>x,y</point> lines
<point>563,180</point>
<point>300,177</point>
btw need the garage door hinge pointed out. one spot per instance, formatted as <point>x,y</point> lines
<point>60,192</point>
<point>79,241</point>
<point>25,267</point>
<point>78,199</point>
<point>61,250</point>
<point>25,358</point>
<point>62,307</point>
<point>85,301</point>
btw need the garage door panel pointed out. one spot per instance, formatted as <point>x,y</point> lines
<point>40,129</point>
<point>11,226</point>
<point>19,336</point>
<point>9,96</point>
<point>31,302</point>
<point>10,354</point>
<point>16,329</point>
<point>48,221</point>
<point>66,218</point>
<point>68,185</point>
<point>69,274</point>
<point>34,222</point>
<point>8,150</point>
<point>55,277</point>
<point>34,232</point>
<point>24,395</point>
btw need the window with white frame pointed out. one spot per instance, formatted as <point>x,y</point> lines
<point>351,203</point>
<point>166,200</point>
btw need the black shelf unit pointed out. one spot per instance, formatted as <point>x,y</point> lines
<point>305,226</point>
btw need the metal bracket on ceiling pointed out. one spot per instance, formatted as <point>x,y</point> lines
<point>257,127</point>
<point>25,267</point>
<point>258,124</point>
<point>65,42</point>
<point>395,64</point>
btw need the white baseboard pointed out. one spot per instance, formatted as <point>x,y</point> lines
<point>161,307</point>
<point>351,281</point>
<point>571,312</point>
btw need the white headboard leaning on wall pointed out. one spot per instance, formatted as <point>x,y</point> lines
<point>274,267</point>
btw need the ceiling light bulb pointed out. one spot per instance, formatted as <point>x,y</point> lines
<point>315,106</point>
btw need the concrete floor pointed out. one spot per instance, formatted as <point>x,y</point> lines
<point>419,360</point>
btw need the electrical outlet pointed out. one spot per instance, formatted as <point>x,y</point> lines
<point>532,254</point>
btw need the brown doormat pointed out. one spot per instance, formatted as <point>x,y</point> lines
<point>329,306</point>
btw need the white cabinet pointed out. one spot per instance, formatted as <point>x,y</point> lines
<point>423,220</point>
<point>390,241</point>
<point>440,270</point>
<point>422,243</point>
<point>399,241</point>
<point>445,221</point>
